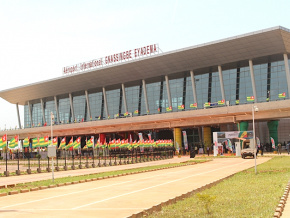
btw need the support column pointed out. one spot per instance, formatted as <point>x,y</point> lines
<point>145,96</point>
<point>88,105</point>
<point>193,87</point>
<point>18,116</point>
<point>72,107</point>
<point>42,109</point>
<point>207,137</point>
<point>287,72</point>
<point>124,98</point>
<point>105,102</point>
<point>221,82</point>
<point>273,130</point>
<point>177,139</point>
<point>253,80</point>
<point>168,91</point>
<point>56,109</point>
<point>30,114</point>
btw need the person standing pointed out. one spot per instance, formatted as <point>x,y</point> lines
<point>207,150</point>
<point>279,148</point>
<point>287,147</point>
<point>262,149</point>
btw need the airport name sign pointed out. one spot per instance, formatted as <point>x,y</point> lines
<point>113,59</point>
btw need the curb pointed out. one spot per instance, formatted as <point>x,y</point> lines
<point>280,208</point>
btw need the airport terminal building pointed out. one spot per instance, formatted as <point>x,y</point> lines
<point>199,89</point>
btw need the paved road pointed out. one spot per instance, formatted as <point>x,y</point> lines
<point>120,196</point>
<point>45,176</point>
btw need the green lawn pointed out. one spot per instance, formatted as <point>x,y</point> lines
<point>243,195</point>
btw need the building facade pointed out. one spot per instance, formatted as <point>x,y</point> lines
<point>230,73</point>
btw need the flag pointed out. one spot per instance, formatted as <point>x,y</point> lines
<point>26,142</point>
<point>54,141</point>
<point>3,141</point>
<point>221,102</point>
<point>62,143</point>
<point>169,108</point>
<point>158,110</point>
<point>35,143</point>
<point>77,143</point>
<point>272,142</point>
<point>90,142</point>
<point>70,144</point>
<point>282,95</point>
<point>193,105</point>
<point>43,141</point>
<point>126,114</point>
<point>181,107</point>
<point>250,98</point>
<point>206,104</point>
<point>13,142</point>
<point>117,115</point>
<point>140,136</point>
<point>149,136</point>
<point>237,101</point>
<point>99,117</point>
<point>136,112</point>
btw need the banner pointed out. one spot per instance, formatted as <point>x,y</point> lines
<point>185,140</point>
<point>140,136</point>
<point>272,142</point>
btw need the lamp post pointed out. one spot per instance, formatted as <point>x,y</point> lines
<point>52,165</point>
<point>254,109</point>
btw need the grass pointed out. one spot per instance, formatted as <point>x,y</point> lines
<point>29,185</point>
<point>243,195</point>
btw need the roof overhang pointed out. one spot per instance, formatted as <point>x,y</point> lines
<point>253,45</point>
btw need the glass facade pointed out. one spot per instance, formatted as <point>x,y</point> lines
<point>270,81</point>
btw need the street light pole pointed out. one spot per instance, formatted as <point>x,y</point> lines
<point>52,164</point>
<point>254,108</point>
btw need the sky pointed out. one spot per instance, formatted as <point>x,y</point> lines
<point>38,38</point>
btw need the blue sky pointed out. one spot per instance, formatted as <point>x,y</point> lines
<point>39,38</point>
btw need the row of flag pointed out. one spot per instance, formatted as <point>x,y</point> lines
<point>43,142</point>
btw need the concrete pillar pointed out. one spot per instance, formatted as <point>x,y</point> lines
<point>56,109</point>
<point>193,87</point>
<point>18,116</point>
<point>124,97</point>
<point>88,105</point>
<point>145,96</point>
<point>273,130</point>
<point>42,109</point>
<point>253,80</point>
<point>287,72</point>
<point>178,138</point>
<point>221,82</point>
<point>168,92</point>
<point>105,102</point>
<point>207,136</point>
<point>72,107</point>
<point>30,113</point>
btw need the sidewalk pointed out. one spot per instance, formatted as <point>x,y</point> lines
<point>77,172</point>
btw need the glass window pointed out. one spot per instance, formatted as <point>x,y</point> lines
<point>65,115</point>
<point>176,91</point>
<point>96,105</point>
<point>114,99</point>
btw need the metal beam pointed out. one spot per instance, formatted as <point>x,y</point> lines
<point>72,107</point>
<point>18,116</point>
<point>30,113</point>
<point>287,72</point>
<point>124,98</point>
<point>42,109</point>
<point>221,82</point>
<point>56,109</point>
<point>193,87</point>
<point>168,91</point>
<point>253,80</point>
<point>145,96</point>
<point>105,102</point>
<point>88,104</point>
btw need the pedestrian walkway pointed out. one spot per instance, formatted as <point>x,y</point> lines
<point>78,172</point>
